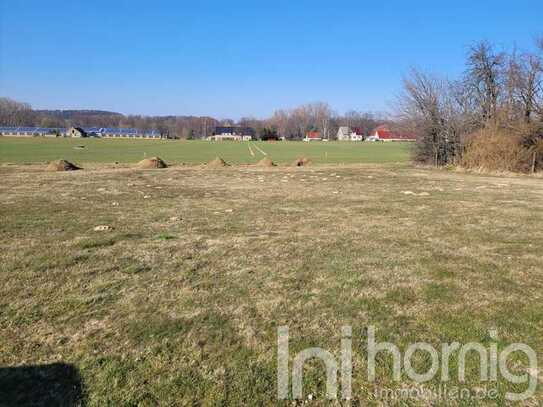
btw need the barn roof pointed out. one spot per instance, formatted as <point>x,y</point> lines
<point>385,133</point>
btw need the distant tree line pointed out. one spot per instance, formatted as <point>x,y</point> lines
<point>291,123</point>
<point>491,117</point>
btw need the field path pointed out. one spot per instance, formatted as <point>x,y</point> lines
<point>259,149</point>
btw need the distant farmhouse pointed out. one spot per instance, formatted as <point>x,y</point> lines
<point>345,133</point>
<point>79,132</point>
<point>384,133</point>
<point>232,133</point>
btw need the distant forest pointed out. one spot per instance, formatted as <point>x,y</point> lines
<point>289,123</point>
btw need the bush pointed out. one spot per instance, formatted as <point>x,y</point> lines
<point>499,149</point>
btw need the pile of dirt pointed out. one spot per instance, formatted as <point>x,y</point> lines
<point>153,162</point>
<point>301,162</point>
<point>61,165</point>
<point>218,162</point>
<point>265,162</point>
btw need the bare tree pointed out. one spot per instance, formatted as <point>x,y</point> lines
<point>428,105</point>
<point>13,113</point>
<point>322,114</point>
<point>484,76</point>
<point>530,85</point>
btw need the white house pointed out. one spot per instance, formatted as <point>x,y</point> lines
<point>345,133</point>
<point>231,133</point>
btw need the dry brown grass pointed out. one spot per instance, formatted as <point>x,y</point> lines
<point>180,300</point>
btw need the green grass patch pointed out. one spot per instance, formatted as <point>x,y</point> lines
<point>36,150</point>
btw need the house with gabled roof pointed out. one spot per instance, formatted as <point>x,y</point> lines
<point>346,133</point>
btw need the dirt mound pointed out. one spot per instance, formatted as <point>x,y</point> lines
<point>265,162</point>
<point>153,162</point>
<point>61,165</point>
<point>218,162</point>
<point>301,162</point>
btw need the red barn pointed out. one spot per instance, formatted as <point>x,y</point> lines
<point>383,132</point>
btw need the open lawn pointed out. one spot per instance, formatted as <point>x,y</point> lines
<point>179,303</point>
<point>36,150</point>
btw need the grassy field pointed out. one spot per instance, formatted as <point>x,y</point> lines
<point>179,302</point>
<point>36,150</point>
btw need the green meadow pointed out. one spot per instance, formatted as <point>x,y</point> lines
<point>40,150</point>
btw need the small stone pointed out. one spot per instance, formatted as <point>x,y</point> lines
<point>115,203</point>
<point>102,228</point>
<point>146,196</point>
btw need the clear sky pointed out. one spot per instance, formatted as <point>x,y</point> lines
<point>241,58</point>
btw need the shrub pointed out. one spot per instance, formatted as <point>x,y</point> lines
<point>500,149</point>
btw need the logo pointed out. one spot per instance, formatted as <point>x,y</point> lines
<point>492,364</point>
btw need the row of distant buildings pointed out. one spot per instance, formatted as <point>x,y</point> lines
<point>224,133</point>
<point>380,133</point>
<point>108,132</point>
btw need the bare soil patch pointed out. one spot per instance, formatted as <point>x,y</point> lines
<point>265,162</point>
<point>218,162</point>
<point>61,165</point>
<point>301,162</point>
<point>153,162</point>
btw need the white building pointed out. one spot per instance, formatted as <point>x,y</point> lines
<point>231,133</point>
<point>345,133</point>
<point>32,132</point>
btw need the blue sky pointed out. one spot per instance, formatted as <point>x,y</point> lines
<point>241,58</point>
